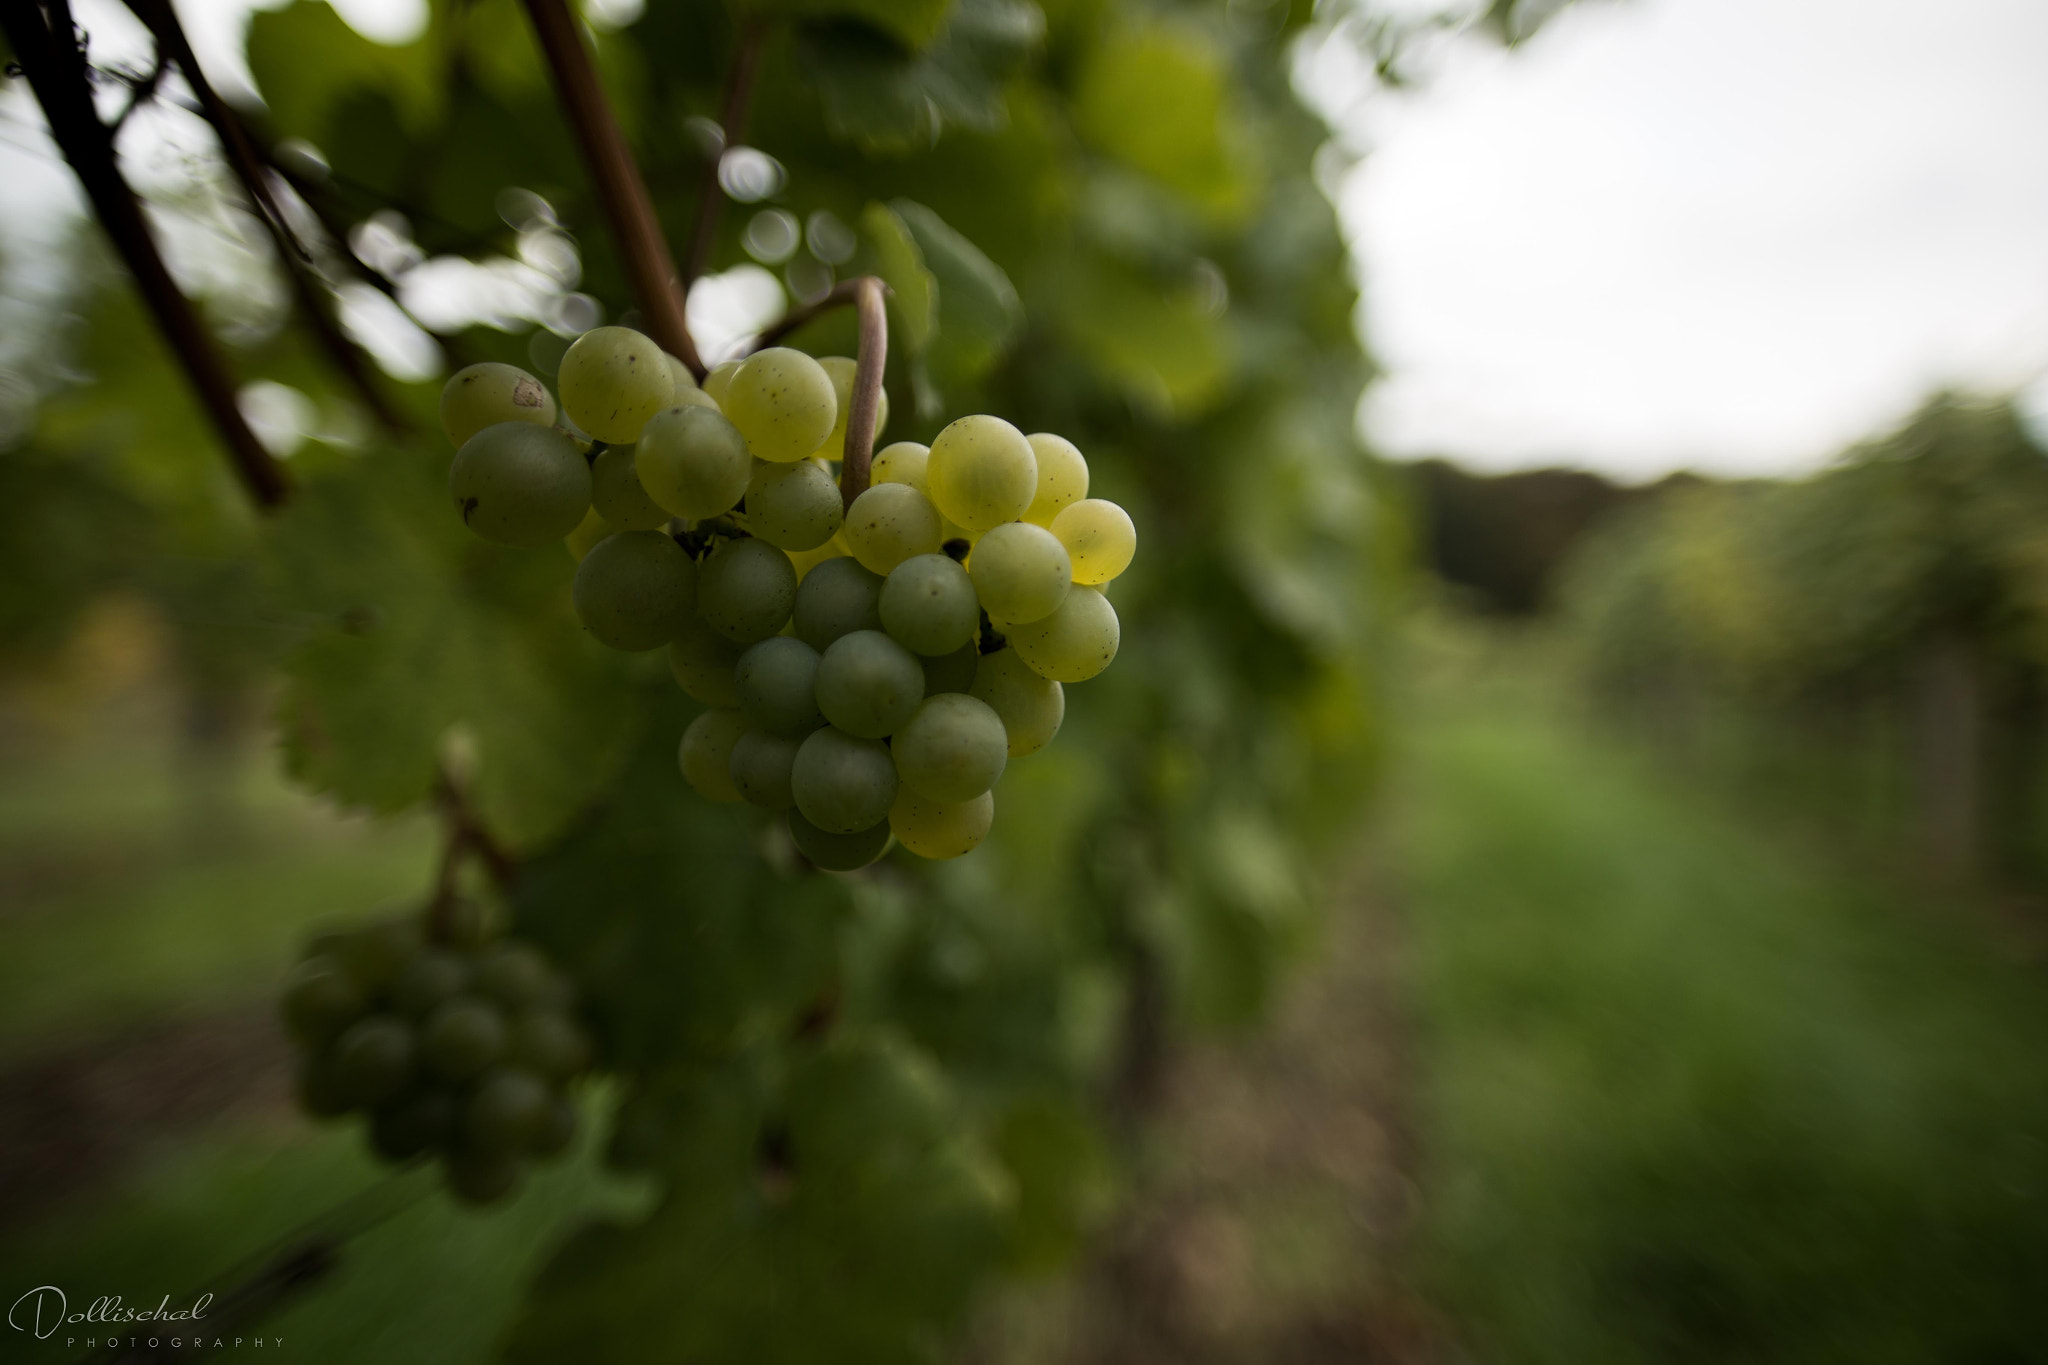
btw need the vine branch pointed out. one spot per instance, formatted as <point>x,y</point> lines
<point>732,127</point>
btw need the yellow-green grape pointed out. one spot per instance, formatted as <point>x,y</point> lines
<point>940,829</point>
<point>519,484</point>
<point>721,374</point>
<point>1074,643</point>
<point>840,371</point>
<point>704,664</point>
<point>902,462</point>
<point>761,765</point>
<point>1020,572</point>
<point>1030,707</point>
<point>616,494</point>
<point>807,560</point>
<point>951,672</point>
<point>745,589</point>
<point>1062,477</point>
<point>928,605</point>
<point>695,398</point>
<point>588,532</point>
<point>613,379</point>
<point>693,462</point>
<point>679,375</point>
<point>952,749</point>
<point>981,472</point>
<point>794,506</point>
<point>890,523</point>
<point>635,590</point>
<point>842,783</point>
<point>782,402</point>
<point>1099,538</point>
<point>479,396</point>
<point>706,754</point>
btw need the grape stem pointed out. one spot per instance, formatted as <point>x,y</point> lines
<point>461,832</point>
<point>867,294</point>
<point>621,191</point>
<point>732,126</point>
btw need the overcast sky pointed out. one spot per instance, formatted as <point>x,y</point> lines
<point>1730,234</point>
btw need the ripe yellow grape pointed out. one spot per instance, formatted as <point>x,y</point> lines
<point>1062,477</point>
<point>680,375</point>
<point>613,379</point>
<point>840,370</point>
<point>1099,538</point>
<point>720,375</point>
<point>694,398</point>
<point>692,461</point>
<point>890,523</point>
<point>981,472</point>
<point>1020,573</point>
<point>782,402</point>
<point>1074,643</point>
<point>939,829</point>
<point>479,396</point>
<point>1030,707</point>
<point>902,462</point>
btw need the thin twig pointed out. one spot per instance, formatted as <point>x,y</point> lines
<point>838,296</point>
<point>732,126</point>
<point>871,360</point>
<point>141,90</point>
<point>620,190</point>
<point>49,53</point>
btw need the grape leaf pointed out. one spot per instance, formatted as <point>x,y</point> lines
<point>306,60</point>
<point>884,97</point>
<point>979,312</point>
<point>913,23</point>
<point>889,250</point>
<point>1159,98</point>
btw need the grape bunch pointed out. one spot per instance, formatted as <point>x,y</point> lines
<point>870,668</point>
<point>461,1047</point>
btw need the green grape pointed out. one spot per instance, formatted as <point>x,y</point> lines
<point>462,1037</point>
<point>841,370</point>
<point>721,375</point>
<point>504,1111</point>
<point>588,532</point>
<point>514,975</point>
<point>322,999</point>
<point>868,684</point>
<point>1020,572</point>
<point>888,524</point>
<point>479,396</point>
<point>981,472</point>
<point>952,750</point>
<point>373,1060</point>
<point>842,783</point>
<point>951,672</point>
<point>761,765</point>
<point>777,682</point>
<point>706,754</point>
<point>616,494</point>
<point>1062,476</point>
<point>745,589</point>
<point>928,605</point>
<point>548,1043</point>
<point>376,953</point>
<point>782,402</point>
<point>419,1121</point>
<point>838,852</point>
<point>613,379</point>
<point>635,590</point>
<point>1099,536</point>
<point>795,506</point>
<point>1030,707</point>
<point>433,975</point>
<point>693,462</point>
<point>1074,643</point>
<point>482,1178</point>
<point>836,598</point>
<point>679,375</point>
<point>702,662</point>
<point>519,484</point>
<point>903,462</point>
<point>939,829</point>
<point>557,1129</point>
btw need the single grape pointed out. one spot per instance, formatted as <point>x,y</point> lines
<point>635,590</point>
<point>373,1060</point>
<point>981,472</point>
<point>479,396</point>
<point>613,379</point>
<point>549,1044</point>
<point>514,974</point>
<point>482,1178</point>
<point>376,953</point>
<point>929,606</point>
<point>761,765</point>
<point>702,662</point>
<point>679,375</point>
<point>1062,477</point>
<point>745,589</point>
<point>838,852</point>
<point>692,462</point>
<point>888,524</point>
<point>952,672</point>
<point>588,532</point>
<point>841,370</point>
<point>322,999</point>
<point>706,754</point>
<point>1020,572</point>
<point>504,1112</point>
<point>795,506</point>
<point>616,494</point>
<point>1100,538</point>
<point>690,398</point>
<point>868,684</point>
<point>777,682</point>
<point>952,750</point>
<point>836,598</point>
<point>721,375</point>
<point>1074,643</point>
<point>1030,707</point>
<point>416,1122</point>
<point>519,484</point>
<point>806,560</point>
<point>782,402</point>
<point>842,783</point>
<point>463,1037</point>
<point>433,976</point>
<point>903,462</point>
<point>937,829</point>
<point>556,1130</point>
